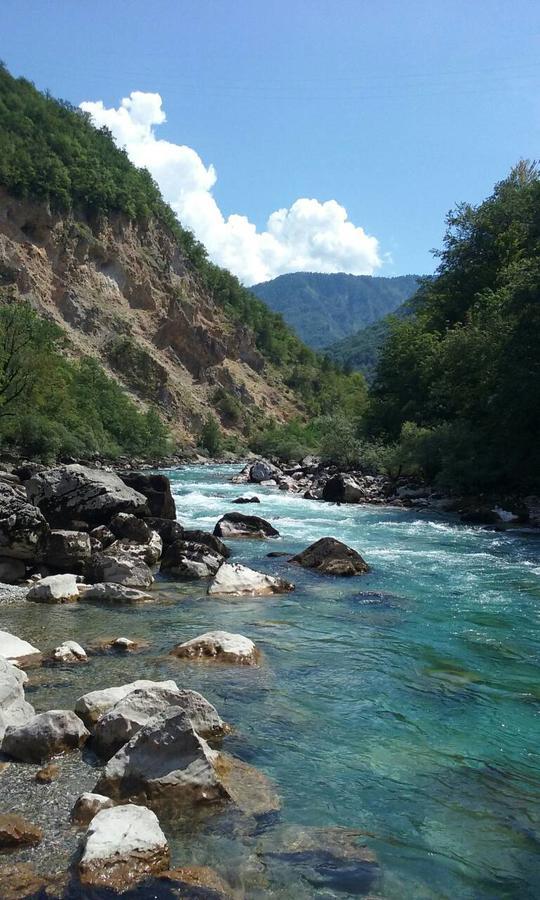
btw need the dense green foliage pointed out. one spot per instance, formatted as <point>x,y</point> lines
<point>323,309</point>
<point>361,351</point>
<point>466,369</point>
<point>50,151</point>
<point>52,406</point>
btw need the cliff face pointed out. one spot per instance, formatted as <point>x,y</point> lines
<point>122,292</point>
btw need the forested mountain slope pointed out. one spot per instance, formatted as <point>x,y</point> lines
<point>361,350</point>
<point>88,242</point>
<point>323,309</point>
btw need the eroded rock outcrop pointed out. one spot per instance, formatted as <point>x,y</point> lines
<point>23,528</point>
<point>156,489</point>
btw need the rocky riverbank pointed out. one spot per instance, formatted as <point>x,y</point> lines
<point>315,480</point>
<point>146,751</point>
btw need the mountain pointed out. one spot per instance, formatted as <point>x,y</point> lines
<point>87,241</point>
<point>361,351</point>
<point>323,309</point>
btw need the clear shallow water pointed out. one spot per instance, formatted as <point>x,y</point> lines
<point>403,703</point>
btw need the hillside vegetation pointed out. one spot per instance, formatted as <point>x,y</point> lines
<point>323,309</point>
<point>133,288</point>
<point>361,351</point>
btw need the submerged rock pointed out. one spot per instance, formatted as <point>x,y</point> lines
<point>54,589</point>
<point>45,735</point>
<point>94,704</point>
<point>15,650</point>
<point>66,494</point>
<point>87,806</point>
<point>195,882</point>
<point>16,831</point>
<point>331,557</point>
<point>129,715</point>
<point>220,646</point>
<point>122,846</point>
<point>235,579</point>
<point>14,710</point>
<point>234,524</point>
<point>241,500</point>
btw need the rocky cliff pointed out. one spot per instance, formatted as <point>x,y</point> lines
<point>123,292</point>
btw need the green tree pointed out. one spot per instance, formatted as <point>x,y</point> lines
<point>210,437</point>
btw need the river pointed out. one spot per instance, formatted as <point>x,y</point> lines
<point>402,703</point>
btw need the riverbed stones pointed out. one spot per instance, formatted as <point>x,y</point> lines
<point>156,489</point>
<point>262,470</point>
<point>47,774</point>
<point>235,579</point>
<point>331,557</point>
<point>68,551</point>
<point>121,569</point>
<point>168,762</point>
<point>23,528</point>
<point>69,493</point>
<point>122,846</point>
<point>14,709</point>
<point>69,652</point>
<point>54,589</point>
<point>45,735</point>
<point>220,646</point>
<point>16,831</point>
<point>87,806</point>
<point>238,525</point>
<point>95,703</point>
<point>187,559</point>
<point>112,593</point>
<point>129,715</point>
<point>16,650</point>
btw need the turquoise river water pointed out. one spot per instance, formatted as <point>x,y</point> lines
<point>403,703</point>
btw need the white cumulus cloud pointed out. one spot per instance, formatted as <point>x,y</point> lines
<point>309,236</point>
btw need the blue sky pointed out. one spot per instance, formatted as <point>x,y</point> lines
<point>395,110</point>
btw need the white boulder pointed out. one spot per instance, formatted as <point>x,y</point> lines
<point>112,593</point>
<point>69,651</point>
<point>90,707</point>
<point>54,589</point>
<point>15,649</point>
<point>14,710</point>
<point>122,846</point>
<point>233,578</point>
<point>220,646</point>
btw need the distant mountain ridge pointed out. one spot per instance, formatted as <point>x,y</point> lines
<point>360,351</point>
<point>324,309</point>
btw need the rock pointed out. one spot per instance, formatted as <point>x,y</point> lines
<point>129,715</point>
<point>209,540</point>
<point>343,488</point>
<point>246,500</point>
<point>23,529</point>
<point>103,535</point>
<point>195,882</point>
<point>15,650</point>
<point>10,593</point>
<point>69,652</point>
<point>68,551</point>
<point>54,589</point>
<point>87,806</point>
<point>123,845</point>
<point>233,578</point>
<point>69,493</point>
<point>235,524</point>
<point>166,761</point>
<point>45,735</point>
<point>48,774</point>
<point>156,489</point>
<point>11,570</point>
<point>328,858</point>
<point>14,710</point>
<point>94,704</point>
<point>243,476</point>
<point>118,645</point>
<point>219,646</point>
<point>128,527</point>
<point>15,831</point>
<point>184,559</point>
<point>149,553</point>
<point>262,470</point>
<point>112,593</point>
<point>331,557</point>
<point>120,570</point>
<point>21,882</point>
<point>286,483</point>
<point>168,530</point>
<point>248,788</point>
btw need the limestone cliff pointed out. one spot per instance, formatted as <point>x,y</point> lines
<point>124,293</point>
